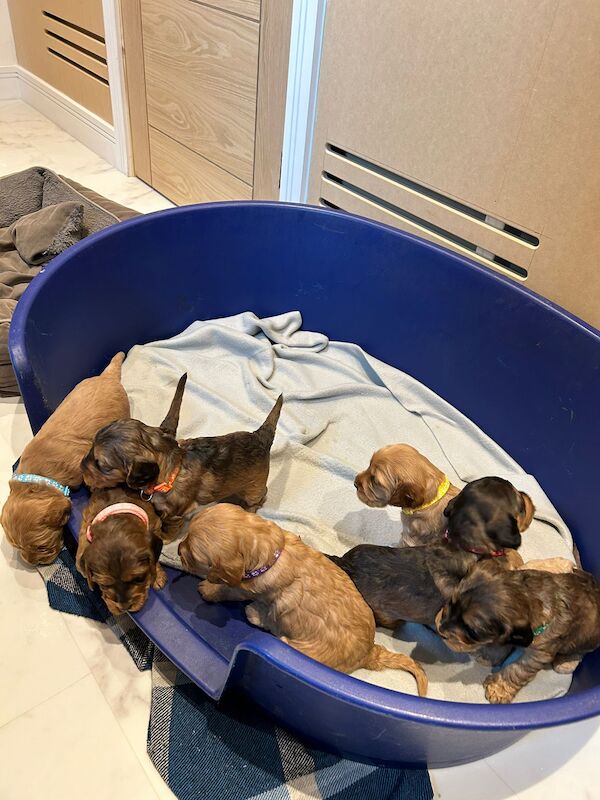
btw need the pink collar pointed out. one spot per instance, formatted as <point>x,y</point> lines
<point>117,508</point>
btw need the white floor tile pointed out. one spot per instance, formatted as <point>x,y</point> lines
<point>476,781</point>
<point>38,657</point>
<point>126,689</point>
<point>70,747</point>
<point>553,764</point>
<point>28,139</point>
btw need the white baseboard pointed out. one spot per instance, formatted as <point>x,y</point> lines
<point>86,127</point>
<point>9,82</point>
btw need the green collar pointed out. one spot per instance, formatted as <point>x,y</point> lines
<point>540,629</point>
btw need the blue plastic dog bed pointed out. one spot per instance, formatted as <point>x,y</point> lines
<point>524,370</point>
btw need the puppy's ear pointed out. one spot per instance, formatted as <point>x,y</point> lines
<point>525,517</point>
<point>85,569</point>
<point>449,507</point>
<point>230,572</point>
<point>59,512</point>
<point>521,636</point>
<point>142,473</point>
<point>156,545</point>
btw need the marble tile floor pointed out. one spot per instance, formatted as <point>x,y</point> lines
<point>73,707</point>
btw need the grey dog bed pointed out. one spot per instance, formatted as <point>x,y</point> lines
<point>41,214</point>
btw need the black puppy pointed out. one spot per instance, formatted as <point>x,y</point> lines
<point>488,515</point>
<point>410,584</point>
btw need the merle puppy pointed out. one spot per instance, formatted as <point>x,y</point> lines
<point>178,476</point>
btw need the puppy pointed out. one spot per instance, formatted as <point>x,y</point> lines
<point>119,546</point>
<point>297,593</point>
<point>489,514</point>
<point>409,584</point>
<point>38,505</point>
<point>179,476</point>
<point>556,618</point>
<point>398,475</point>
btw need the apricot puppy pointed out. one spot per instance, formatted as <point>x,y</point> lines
<point>297,593</point>
<point>39,504</point>
<point>398,475</point>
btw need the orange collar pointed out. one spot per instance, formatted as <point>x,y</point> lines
<point>163,487</point>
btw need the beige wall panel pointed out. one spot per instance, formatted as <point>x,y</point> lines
<point>495,105</point>
<point>185,177</point>
<point>246,8</point>
<point>85,13</point>
<point>272,91</point>
<point>446,86</point>
<point>201,78</point>
<point>498,242</point>
<point>32,43</point>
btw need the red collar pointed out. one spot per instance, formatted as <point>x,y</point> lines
<point>163,487</point>
<point>477,550</point>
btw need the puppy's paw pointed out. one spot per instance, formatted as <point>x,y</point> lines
<point>484,660</point>
<point>557,565</point>
<point>209,591</point>
<point>253,616</point>
<point>497,690</point>
<point>161,578</point>
<point>566,667</point>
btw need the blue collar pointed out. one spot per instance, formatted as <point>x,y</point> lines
<point>26,477</point>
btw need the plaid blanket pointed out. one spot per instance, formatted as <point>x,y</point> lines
<point>228,750</point>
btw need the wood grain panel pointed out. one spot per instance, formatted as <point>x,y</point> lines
<point>185,177</point>
<point>201,80</point>
<point>246,8</point>
<point>135,78</point>
<point>275,29</point>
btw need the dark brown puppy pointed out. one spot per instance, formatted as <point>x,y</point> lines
<point>489,514</point>
<point>555,617</point>
<point>120,553</point>
<point>411,584</point>
<point>179,476</point>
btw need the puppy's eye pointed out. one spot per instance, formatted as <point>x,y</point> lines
<point>138,579</point>
<point>104,468</point>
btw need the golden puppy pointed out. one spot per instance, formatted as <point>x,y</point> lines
<point>38,505</point>
<point>298,594</point>
<point>399,475</point>
<point>119,546</point>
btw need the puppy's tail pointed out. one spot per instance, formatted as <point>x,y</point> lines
<point>266,432</point>
<point>171,421</point>
<point>114,367</point>
<point>379,658</point>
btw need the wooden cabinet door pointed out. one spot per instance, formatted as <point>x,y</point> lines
<point>201,79</point>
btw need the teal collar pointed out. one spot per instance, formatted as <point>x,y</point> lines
<point>26,477</point>
<point>540,629</point>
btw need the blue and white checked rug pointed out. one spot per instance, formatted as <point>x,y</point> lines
<point>228,750</point>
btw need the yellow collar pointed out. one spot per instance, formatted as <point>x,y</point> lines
<point>442,490</point>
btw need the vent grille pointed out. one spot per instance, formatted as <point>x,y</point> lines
<point>352,183</point>
<point>81,49</point>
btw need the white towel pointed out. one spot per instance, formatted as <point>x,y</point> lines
<point>340,405</point>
